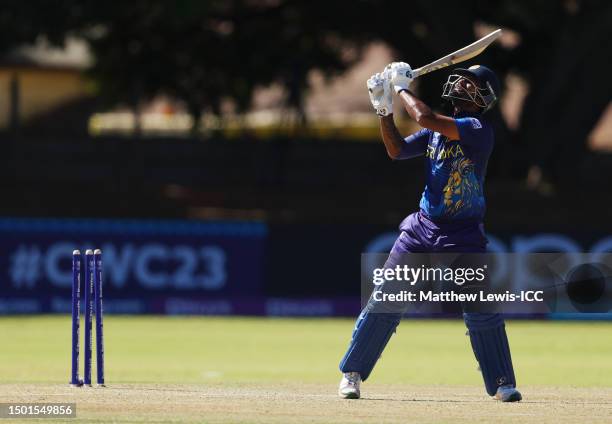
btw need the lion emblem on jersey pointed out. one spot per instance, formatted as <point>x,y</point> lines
<point>461,188</point>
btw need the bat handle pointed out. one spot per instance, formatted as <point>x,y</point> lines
<point>417,73</point>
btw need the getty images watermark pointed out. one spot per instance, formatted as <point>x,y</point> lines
<point>458,276</point>
<point>509,283</point>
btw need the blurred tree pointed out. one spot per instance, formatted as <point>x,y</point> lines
<point>24,22</point>
<point>565,58</point>
<point>203,52</point>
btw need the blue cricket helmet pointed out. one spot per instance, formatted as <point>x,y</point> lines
<point>487,93</point>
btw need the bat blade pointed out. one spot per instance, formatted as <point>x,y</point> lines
<point>460,55</point>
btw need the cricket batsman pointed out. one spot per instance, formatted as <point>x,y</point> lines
<point>451,213</point>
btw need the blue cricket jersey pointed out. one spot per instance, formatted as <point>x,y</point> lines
<point>455,169</point>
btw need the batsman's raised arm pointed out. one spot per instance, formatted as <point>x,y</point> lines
<point>427,118</point>
<point>400,77</point>
<point>391,137</point>
<point>381,96</point>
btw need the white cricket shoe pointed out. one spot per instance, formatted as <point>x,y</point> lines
<point>508,394</point>
<point>349,385</point>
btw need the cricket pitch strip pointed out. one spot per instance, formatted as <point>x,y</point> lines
<point>314,403</point>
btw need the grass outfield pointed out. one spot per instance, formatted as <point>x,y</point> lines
<point>285,370</point>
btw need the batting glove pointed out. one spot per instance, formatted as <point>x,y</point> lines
<point>400,75</point>
<point>380,93</point>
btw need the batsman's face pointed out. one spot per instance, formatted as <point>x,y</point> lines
<point>465,85</point>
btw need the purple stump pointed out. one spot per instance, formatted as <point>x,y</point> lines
<point>76,316</point>
<point>99,317</point>
<point>89,277</point>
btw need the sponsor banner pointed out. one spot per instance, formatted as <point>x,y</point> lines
<point>145,263</point>
<point>218,268</point>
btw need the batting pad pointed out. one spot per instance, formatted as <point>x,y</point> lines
<point>371,335</point>
<point>490,343</point>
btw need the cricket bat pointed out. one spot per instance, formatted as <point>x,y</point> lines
<point>460,55</point>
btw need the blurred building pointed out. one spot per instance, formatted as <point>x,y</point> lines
<point>38,80</point>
